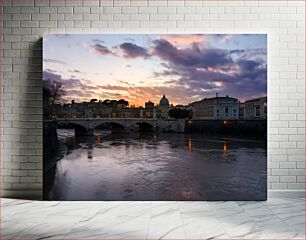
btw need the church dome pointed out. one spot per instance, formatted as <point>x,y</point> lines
<point>164,102</point>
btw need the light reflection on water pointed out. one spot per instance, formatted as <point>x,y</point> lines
<point>153,166</point>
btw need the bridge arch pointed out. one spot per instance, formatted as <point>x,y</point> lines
<point>109,124</point>
<point>145,126</point>
<point>80,129</point>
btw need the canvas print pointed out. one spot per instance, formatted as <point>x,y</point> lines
<point>155,117</point>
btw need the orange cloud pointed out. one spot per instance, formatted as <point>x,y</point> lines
<point>182,39</point>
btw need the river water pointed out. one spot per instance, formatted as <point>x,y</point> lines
<point>150,166</point>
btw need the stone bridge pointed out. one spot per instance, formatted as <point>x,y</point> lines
<point>86,126</point>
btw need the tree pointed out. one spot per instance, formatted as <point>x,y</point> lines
<point>93,100</point>
<point>52,91</point>
<point>113,103</point>
<point>123,102</point>
<point>106,102</point>
<point>180,113</point>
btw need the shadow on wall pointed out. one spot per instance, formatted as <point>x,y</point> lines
<point>31,112</point>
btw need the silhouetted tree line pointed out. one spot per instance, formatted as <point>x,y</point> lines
<point>115,103</point>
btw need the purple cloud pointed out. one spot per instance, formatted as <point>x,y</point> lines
<point>132,50</point>
<point>194,56</point>
<point>237,51</point>
<point>68,83</point>
<point>100,49</point>
<point>49,60</point>
<point>98,41</point>
<point>212,70</point>
<point>248,65</point>
<point>74,71</point>
<point>50,75</point>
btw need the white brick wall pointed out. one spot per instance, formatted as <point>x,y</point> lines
<point>25,21</point>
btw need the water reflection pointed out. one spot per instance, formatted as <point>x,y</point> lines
<point>189,145</point>
<point>153,166</point>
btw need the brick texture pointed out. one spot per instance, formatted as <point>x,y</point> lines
<point>25,22</point>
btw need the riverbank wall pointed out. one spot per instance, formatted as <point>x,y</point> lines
<point>171,125</point>
<point>50,140</point>
<point>256,128</point>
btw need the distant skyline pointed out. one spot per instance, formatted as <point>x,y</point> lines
<point>142,67</point>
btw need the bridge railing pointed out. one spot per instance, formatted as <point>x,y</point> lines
<point>99,119</point>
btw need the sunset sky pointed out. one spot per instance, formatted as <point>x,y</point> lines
<point>138,68</point>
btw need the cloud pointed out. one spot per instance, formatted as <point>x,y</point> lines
<point>82,89</point>
<point>248,65</point>
<point>50,75</point>
<point>139,94</point>
<point>223,38</point>
<point>50,70</point>
<point>237,51</point>
<point>74,71</point>
<point>79,90</point>
<point>200,68</point>
<point>73,94</point>
<point>98,41</point>
<point>257,54</point>
<point>131,50</point>
<point>69,83</point>
<point>194,56</point>
<point>129,39</point>
<point>47,75</point>
<point>127,83</point>
<point>49,60</point>
<point>100,49</point>
<point>184,39</point>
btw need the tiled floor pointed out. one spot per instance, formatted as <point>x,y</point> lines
<point>274,219</point>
